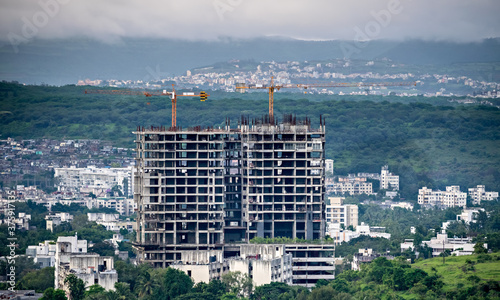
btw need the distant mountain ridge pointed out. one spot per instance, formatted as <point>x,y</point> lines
<point>65,61</point>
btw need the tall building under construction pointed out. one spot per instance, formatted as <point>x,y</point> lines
<point>200,189</point>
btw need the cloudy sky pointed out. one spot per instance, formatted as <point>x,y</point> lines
<point>454,20</point>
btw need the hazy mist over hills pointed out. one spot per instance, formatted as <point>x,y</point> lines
<point>65,61</point>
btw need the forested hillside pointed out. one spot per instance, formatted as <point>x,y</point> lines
<point>426,141</point>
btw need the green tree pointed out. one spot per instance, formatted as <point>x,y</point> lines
<point>238,283</point>
<point>52,294</point>
<point>479,248</point>
<point>146,284</point>
<point>175,283</point>
<point>271,291</point>
<point>123,291</point>
<point>103,249</point>
<point>76,287</point>
<point>94,292</point>
<point>38,280</point>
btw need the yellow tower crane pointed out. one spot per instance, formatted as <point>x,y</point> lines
<point>276,87</point>
<point>173,96</point>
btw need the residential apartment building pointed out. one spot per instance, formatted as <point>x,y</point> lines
<point>198,189</point>
<point>124,206</point>
<point>350,185</point>
<point>297,264</point>
<point>452,197</point>
<point>94,180</point>
<point>479,194</point>
<point>340,215</point>
<point>388,181</point>
<point>311,263</point>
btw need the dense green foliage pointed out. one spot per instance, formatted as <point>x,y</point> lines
<point>38,280</point>
<point>76,287</point>
<point>460,278</point>
<point>427,145</point>
<point>51,294</point>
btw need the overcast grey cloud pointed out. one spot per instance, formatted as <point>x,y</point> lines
<point>109,21</point>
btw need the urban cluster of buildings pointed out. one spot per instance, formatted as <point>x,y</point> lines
<point>98,181</point>
<point>453,197</point>
<point>234,72</point>
<point>30,165</point>
<point>205,197</point>
<point>359,184</point>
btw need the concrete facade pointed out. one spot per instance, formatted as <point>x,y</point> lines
<point>44,254</point>
<point>388,181</point>
<point>452,197</point>
<point>311,263</point>
<point>95,180</point>
<point>71,257</point>
<point>479,194</point>
<point>201,188</point>
<point>349,186</point>
<point>338,214</point>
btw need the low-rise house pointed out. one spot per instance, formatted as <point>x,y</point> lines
<point>458,246</point>
<point>56,219</point>
<point>340,235</point>
<point>71,258</point>
<point>469,215</point>
<point>111,222</point>
<point>365,256</point>
<point>44,254</point>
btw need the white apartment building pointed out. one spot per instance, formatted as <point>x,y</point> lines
<point>44,254</point>
<point>338,214</point>
<point>94,180</point>
<point>329,166</point>
<point>388,181</point>
<point>263,263</point>
<point>479,194</point>
<point>124,206</point>
<point>452,197</point>
<point>71,257</point>
<point>342,235</point>
<point>350,186</point>
<point>111,222</point>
